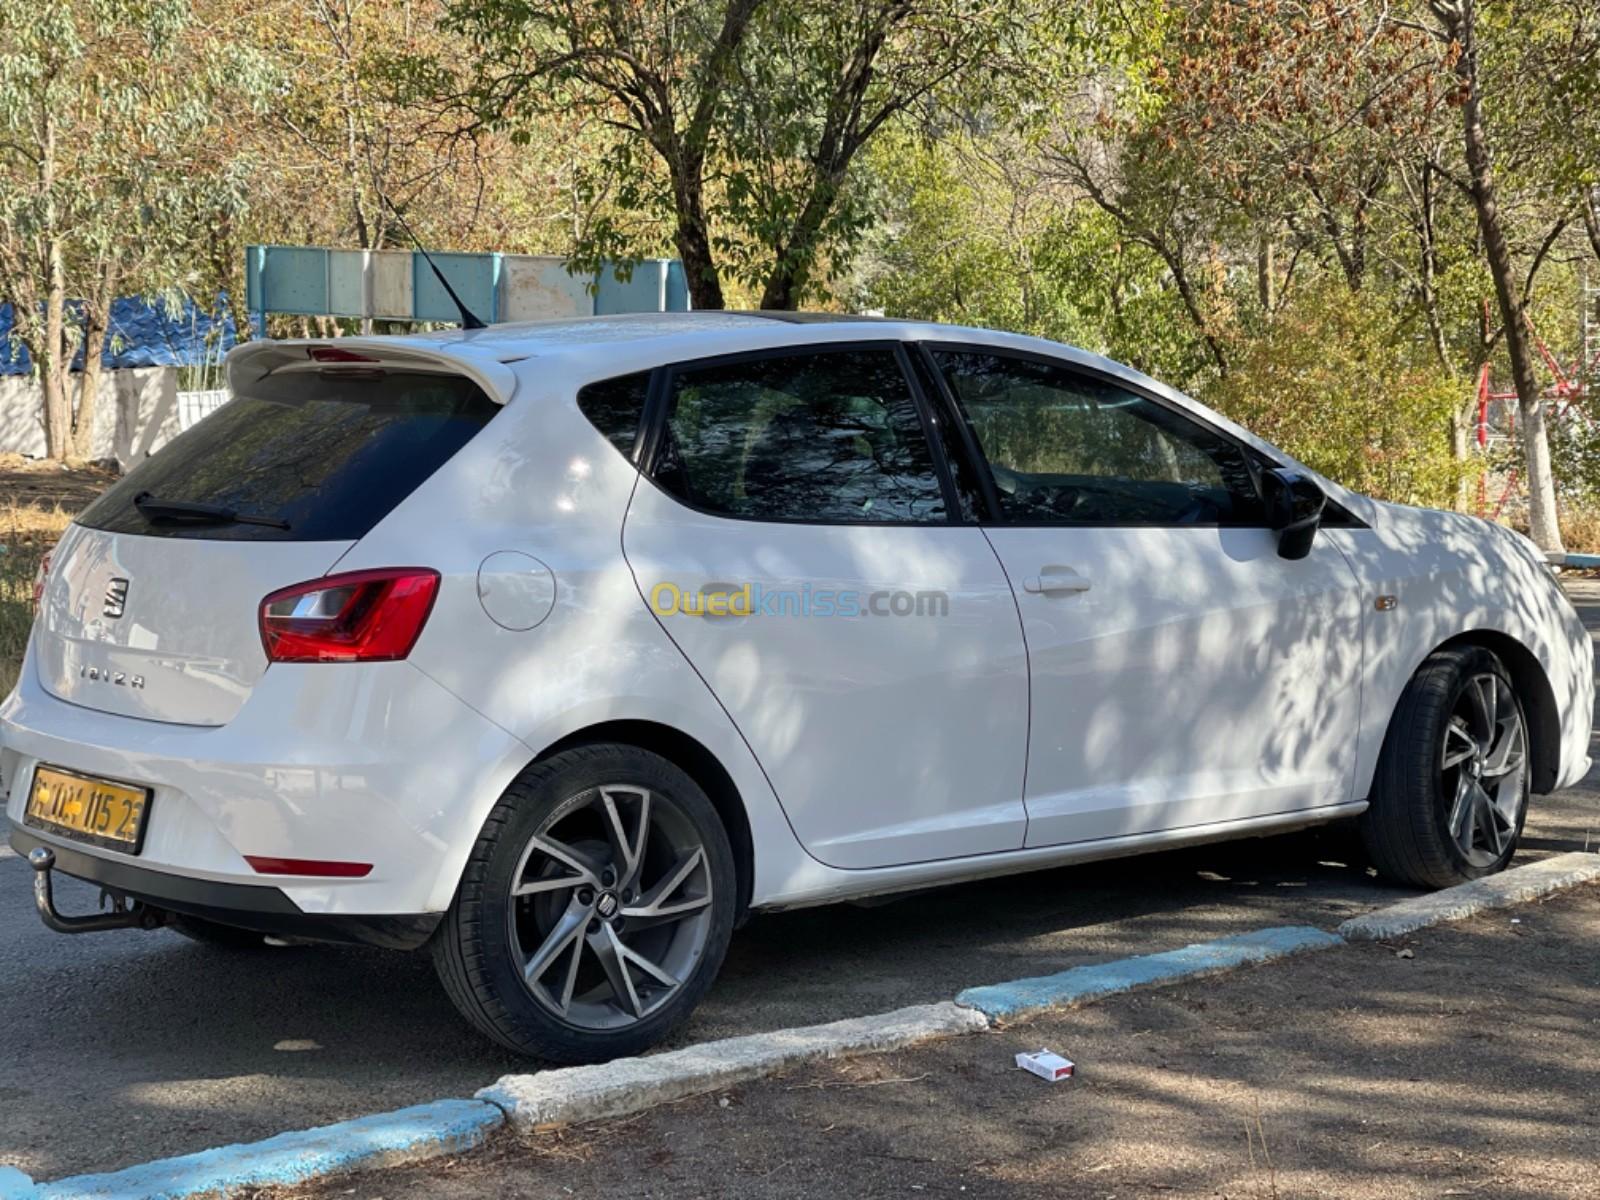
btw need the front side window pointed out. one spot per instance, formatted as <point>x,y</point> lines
<point>1069,449</point>
<point>822,435</point>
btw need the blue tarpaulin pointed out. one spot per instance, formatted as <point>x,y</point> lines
<point>143,334</point>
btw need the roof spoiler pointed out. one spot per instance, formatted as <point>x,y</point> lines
<point>254,359</point>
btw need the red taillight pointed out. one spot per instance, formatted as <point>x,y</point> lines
<point>360,616</point>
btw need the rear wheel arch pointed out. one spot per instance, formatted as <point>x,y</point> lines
<point>1533,688</point>
<point>695,760</point>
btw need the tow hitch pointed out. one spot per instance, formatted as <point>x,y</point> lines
<point>121,916</point>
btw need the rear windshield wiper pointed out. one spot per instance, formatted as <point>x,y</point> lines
<point>186,512</point>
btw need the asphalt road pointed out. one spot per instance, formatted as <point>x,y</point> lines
<point>117,1048</point>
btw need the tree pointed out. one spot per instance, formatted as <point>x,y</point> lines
<point>345,108</point>
<point>657,73</point>
<point>1458,23</point>
<point>104,110</point>
<point>740,122</point>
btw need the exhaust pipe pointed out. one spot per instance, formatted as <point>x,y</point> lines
<point>122,916</point>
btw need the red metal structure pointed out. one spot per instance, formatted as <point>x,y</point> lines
<point>1568,389</point>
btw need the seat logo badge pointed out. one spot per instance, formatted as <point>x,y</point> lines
<point>116,598</point>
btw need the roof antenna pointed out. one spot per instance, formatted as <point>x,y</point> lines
<point>468,319</point>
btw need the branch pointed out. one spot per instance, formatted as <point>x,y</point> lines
<point>1538,259</point>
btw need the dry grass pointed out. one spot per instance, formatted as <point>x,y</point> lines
<point>37,501</point>
<point>26,533</point>
<point>1580,529</point>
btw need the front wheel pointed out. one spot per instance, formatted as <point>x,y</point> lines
<point>1451,790</point>
<point>595,909</point>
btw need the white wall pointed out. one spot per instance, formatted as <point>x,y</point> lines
<point>137,412</point>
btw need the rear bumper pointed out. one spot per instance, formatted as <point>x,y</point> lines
<point>247,906</point>
<point>371,763</point>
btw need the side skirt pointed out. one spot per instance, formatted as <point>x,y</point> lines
<point>839,884</point>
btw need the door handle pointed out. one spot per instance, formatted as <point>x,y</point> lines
<point>1052,581</point>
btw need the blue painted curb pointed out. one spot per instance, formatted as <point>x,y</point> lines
<point>387,1139</point>
<point>14,1185</point>
<point>1074,986</point>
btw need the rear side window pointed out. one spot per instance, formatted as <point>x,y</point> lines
<point>329,453</point>
<point>616,407</point>
<point>831,436</point>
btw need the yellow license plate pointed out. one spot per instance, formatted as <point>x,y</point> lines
<point>88,809</point>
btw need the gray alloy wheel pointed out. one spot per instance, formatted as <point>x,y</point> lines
<point>1450,792</point>
<point>1483,767</point>
<point>611,906</point>
<point>595,908</point>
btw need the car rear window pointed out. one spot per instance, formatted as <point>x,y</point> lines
<point>329,453</point>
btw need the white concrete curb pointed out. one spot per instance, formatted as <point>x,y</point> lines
<point>629,1085</point>
<point>1453,904</point>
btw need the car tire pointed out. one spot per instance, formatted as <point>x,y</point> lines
<point>602,873</point>
<point>223,937</point>
<point>1450,793</point>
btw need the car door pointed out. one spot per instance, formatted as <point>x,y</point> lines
<point>1183,674</point>
<point>799,538</point>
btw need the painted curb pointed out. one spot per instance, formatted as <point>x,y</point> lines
<point>629,1085</point>
<point>1465,900</point>
<point>14,1185</point>
<point>1021,997</point>
<point>385,1140</point>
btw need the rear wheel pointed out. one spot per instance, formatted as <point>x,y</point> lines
<point>595,909</point>
<point>1451,790</point>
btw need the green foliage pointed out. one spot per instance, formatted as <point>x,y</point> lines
<point>973,237</point>
<point>742,122</point>
<point>1337,385</point>
<point>1575,456</point>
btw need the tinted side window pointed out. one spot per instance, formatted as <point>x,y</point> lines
<point>821,435</point>
<point>328,452</point>
<point>1067,449</point>
<point>615,407</point>
<point>968,488</point>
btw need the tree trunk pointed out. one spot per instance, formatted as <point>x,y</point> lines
<point>54,364</point>
<point>798,254</point>
<point>1543,524</point>
<point>694,241</point>
<point>96,325</point>
<point>51,352</point>
<point>1428,270</point>
<point>1267,273</point>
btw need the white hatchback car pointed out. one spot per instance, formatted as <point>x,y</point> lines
<point>560,647</point>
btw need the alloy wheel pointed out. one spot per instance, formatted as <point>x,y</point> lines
<point>611,906</point>
<point>1483,767</point>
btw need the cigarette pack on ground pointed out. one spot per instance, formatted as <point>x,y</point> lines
<point>1047,1065</point>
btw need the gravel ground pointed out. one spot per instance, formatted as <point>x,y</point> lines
<point>1460,1062</point>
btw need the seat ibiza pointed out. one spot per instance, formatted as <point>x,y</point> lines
<point>559,648</point>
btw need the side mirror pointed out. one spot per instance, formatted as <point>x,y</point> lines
<point>1294,509</point>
